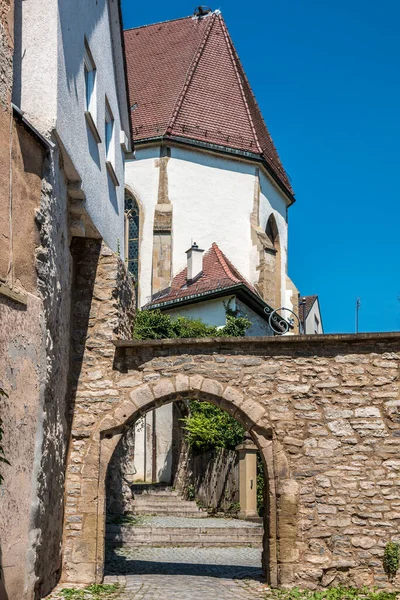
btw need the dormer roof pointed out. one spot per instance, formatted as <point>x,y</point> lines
<point>186,83</point>
<point>218,278</point>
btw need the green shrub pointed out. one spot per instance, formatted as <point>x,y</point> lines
<point>332,593</point>
<point>391,559</point>
<point>156,325</point>
<point>208,427</point>
<point>97,591</point>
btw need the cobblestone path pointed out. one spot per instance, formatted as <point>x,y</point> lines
<point>187,573</point>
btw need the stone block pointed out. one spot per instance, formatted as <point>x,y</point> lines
<point>341,428</point>
<point>233,396</point>
<point>182,383</point>
<point>195,382</point>
<point>163,389</point>
<point>368,411</point>
<point>124,411</point>
<point>212,387</point>
<point>142,397</point>
<point>363,541</point>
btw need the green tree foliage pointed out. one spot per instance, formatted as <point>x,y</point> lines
<point>156,325</point>
<point>208,427</point>
<point>391,559</point>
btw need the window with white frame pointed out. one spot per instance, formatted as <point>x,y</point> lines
<point>109,134</point>
<point>90,83</point>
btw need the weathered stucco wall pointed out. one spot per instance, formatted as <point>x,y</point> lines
<point>324,412</point>
<point>33,371</point>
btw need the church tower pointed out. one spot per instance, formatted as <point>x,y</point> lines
<point>206,168</point>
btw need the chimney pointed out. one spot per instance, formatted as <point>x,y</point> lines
<point>194,262</point>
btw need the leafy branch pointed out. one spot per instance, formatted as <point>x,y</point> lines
<point>156,325</point>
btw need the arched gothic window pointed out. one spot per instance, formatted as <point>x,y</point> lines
<point>272,264</point>
<point>272,231</point>
<point>132,235</point>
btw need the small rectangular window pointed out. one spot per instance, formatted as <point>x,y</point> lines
<point>109,134</point>
<point>90,73</point>
<point>90,82</point>
<point>109,142</point>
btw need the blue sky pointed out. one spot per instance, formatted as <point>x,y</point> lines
<point>326,76</point>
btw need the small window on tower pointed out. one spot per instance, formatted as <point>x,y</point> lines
<point>109,142</point>
<point>132,221</point>
<point>316,322</point>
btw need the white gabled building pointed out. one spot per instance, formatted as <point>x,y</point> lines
<point>310,315</point>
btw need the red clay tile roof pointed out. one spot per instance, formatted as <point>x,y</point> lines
<point>218,274</point>
<point>309,304</point>
<point>187,81</point>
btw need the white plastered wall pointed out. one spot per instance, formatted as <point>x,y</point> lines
<point>212,200</point>
<point>211,312</point>
<point>311,325</point>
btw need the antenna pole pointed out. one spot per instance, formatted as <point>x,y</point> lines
<point>358,304</point>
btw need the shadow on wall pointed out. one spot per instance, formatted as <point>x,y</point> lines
<point>120,475</point>
<point>3,593</point>
<point>164,474</point>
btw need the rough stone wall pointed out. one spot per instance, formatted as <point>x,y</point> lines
<point>33,371</point>
<point>103,309</point>
<point>324,412</point>
<point>54,271</point>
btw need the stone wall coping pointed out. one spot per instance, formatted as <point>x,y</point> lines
<point>315,339</point>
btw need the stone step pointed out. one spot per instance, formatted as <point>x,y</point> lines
<point>153,488</point>
<point>161,502</point>
<point>173,512</point>
<point>184,536</point>
<point>161,494</point>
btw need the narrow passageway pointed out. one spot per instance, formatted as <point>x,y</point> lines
<point>183,513</point>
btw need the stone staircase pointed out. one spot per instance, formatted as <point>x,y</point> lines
<point>161,517</point>
<point>163,500</point>
<point>186,534</point>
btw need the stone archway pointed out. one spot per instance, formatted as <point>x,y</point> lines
<point>323,410</point>
<point>280,518</point>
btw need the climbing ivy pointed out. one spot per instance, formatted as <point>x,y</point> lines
<point>391,559</point>
<point>208,427</point>
<point>2,454</point>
